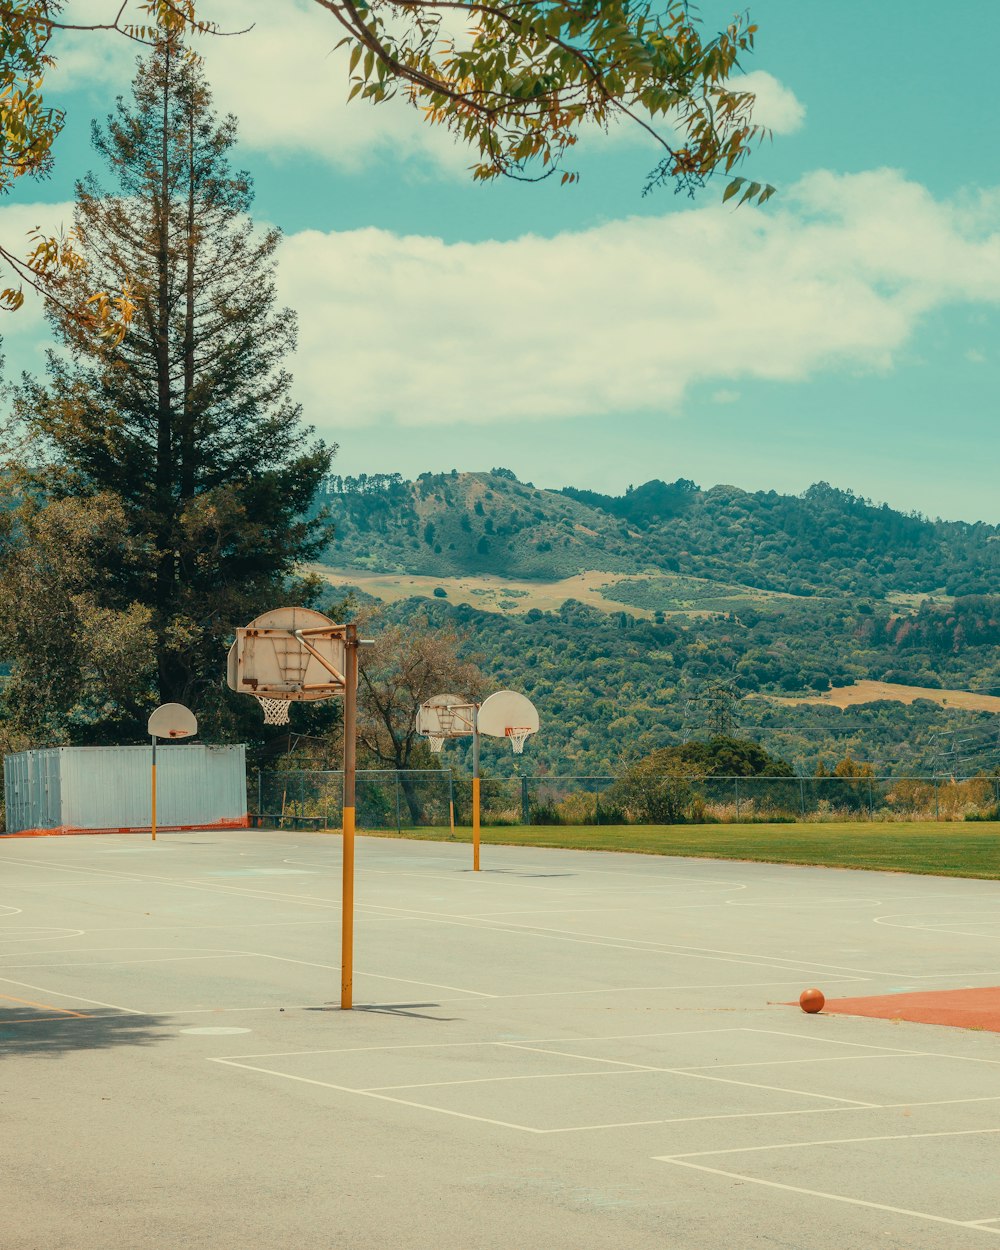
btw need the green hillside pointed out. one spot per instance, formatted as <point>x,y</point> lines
<point>826,542</point>
<point>616,614</point>
<point>611,687</point>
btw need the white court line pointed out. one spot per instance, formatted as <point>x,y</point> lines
<point>641,945</point>
<point>683,1161</point>
<point>118,877</point>
<point>819,1193</point>
<point>773,1063</point>
<point>486,1080</point>
<point>465,993</point>
<point>601,1037</point>
<point>378,976</point>
<point>830,1141</point>
<point>79,998</point>
<point>638,1070</point>
<point>927,1054</point>
<point>226,953</point>
<point>120,963</point>
<point>685,985</point>
<point>947,927</point>
<point>193,928</point>
<point>703,1076</point>
<point>576,1128</point>
<point>754,1115</point>
<point>285,1076</point>
<point>638,945</point>
<point>668,864</point>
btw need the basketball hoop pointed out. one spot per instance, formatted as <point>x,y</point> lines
<point>436,743</point>
<point>518,737</point>
<point>275,710</point>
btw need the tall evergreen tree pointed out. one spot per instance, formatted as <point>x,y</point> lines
<point>188,422</point>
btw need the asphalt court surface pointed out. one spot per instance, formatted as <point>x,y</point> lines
<point>568,1049</point>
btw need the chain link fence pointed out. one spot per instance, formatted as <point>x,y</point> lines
<point>433,798</point>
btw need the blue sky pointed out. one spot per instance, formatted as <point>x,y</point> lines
<point>846,332</point>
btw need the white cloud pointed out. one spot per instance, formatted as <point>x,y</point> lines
<point>621,318</point>
<point>627,316</point>
<point>776,106</point>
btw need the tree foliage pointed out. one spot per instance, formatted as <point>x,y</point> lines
<point>406,666</point>
<point>80,650</point>
<point>183,435</point>
<point>720,756</point>
<point>29,128</point>
<point>517,81</point>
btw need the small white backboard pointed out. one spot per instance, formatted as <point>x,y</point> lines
<point>507,714</point>
<point>172,720</point>
<point>445,716</point>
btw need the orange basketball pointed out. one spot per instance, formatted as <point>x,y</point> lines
<point>811,1001</point>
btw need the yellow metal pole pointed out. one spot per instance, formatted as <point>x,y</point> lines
<point>475,824</point>
<point>347,881</point>
<point>153,786</point>
<point>475,790</point>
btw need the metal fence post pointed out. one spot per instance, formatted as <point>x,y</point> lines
<point>525,806</point>
<point>936,816</point>
<point>399,823</point>
<point>871,801</point>
<point>597,806</point>
<point>736,783</point>
<point>802,797</point>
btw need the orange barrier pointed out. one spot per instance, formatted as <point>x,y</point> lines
<point>242,823</point>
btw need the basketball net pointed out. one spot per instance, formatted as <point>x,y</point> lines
<point>436,743</point>
<point>517,737</point>
<point>275,710</point>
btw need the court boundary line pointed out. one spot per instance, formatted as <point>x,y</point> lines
<point>683,1160</point>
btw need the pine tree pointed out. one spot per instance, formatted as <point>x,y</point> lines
<point>189,421</point>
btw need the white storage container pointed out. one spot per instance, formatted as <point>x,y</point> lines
<point>101,789</point>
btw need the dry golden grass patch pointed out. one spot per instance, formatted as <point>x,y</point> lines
<point>874,691</point>
<point>486,591</point>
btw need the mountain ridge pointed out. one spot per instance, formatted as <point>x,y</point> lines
<point>825,541</point>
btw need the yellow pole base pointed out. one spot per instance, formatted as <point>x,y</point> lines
<point>347,915</point>
<point>475,824</point>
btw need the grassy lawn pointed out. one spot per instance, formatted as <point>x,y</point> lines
<point>942,848</point>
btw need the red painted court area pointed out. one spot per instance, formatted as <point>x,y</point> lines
<point>963,1009</point>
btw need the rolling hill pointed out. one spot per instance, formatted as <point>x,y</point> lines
<point>859,626</point>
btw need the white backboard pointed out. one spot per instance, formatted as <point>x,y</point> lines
<point>172,720</point>
<point>506,710</point>
<point>288,653</point>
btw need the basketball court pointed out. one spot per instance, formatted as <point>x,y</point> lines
<point>565,1049</point>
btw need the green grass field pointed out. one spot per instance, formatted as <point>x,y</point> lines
<point>941,848</point>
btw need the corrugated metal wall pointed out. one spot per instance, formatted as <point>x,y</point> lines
<point>109,787</point>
